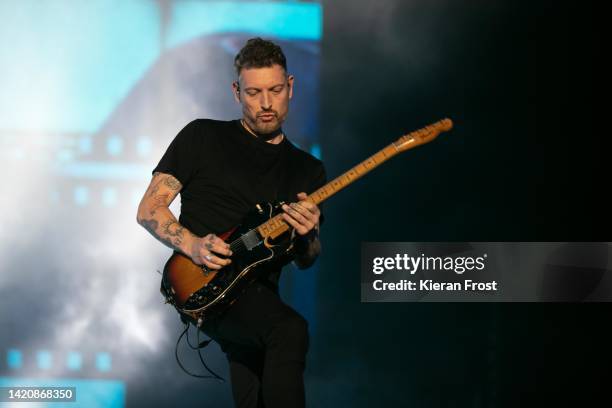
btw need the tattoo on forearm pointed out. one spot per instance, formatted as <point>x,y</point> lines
<point>151,226</point>
<point>173,231</point>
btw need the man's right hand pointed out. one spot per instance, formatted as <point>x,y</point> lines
<point>205,251</point>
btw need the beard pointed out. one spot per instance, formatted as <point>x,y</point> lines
<point>261,126</point>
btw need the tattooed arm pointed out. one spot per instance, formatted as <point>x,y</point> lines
<point>155,216</point>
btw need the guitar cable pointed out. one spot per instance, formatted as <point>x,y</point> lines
<point>200,346</point>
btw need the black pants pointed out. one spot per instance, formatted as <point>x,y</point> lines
<point>266,343</point>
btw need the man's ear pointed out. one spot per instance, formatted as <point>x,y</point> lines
<point>236,91</point>
<point>290,80</point>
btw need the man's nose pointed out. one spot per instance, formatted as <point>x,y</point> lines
<point>266,101</point>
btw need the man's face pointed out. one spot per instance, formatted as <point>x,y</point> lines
<point>264,94</point>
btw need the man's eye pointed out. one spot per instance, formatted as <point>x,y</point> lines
<point>252,93</point>
<point>277,90</point>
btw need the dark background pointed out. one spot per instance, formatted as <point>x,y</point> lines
<point>521,165</point>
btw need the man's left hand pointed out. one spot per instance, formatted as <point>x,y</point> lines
<point>303,215</point>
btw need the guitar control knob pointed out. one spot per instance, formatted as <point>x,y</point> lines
<point>205,270</point>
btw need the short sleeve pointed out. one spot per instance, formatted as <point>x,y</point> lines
<point>180,159</point>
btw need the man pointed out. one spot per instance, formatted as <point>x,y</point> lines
<point>222,169</point>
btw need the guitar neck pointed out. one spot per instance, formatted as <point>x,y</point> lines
<point>276,225</point>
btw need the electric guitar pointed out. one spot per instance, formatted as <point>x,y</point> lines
<point>200,292</point>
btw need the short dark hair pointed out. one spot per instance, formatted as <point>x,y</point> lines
<point>259,53</point>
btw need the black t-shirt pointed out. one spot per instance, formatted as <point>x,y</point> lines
<point>225,171</point>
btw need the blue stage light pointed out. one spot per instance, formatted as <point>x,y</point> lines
<point>85,144</point>
<point>114,145</point>
<point>74,361</point>
<point>315,150</point>
<point>14,358</point>
<point>103,362</point>
<point>44,359</point>
<point>81,195</point>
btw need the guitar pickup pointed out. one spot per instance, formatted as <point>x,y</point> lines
<point>250,240</point>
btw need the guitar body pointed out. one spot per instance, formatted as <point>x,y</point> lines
<point>198,291</point>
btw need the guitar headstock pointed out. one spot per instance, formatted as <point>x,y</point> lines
<point>423,135</point>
